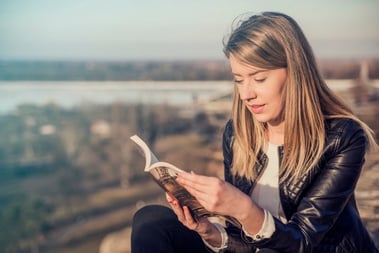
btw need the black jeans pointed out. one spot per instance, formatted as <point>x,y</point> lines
<point>156,229</point>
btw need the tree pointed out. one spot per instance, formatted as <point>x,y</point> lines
<point>22,222</point>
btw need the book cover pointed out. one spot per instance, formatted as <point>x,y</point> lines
<point>165,174</point>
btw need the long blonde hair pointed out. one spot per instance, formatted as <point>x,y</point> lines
<point>274,40</point>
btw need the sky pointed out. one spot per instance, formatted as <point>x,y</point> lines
<point>172,29</point>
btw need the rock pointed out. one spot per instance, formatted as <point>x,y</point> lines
<point>116,242</point>
<point>367,194</point>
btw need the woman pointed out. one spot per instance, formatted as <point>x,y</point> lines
<point>293,153</point>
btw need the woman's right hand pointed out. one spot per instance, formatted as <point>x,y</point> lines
<point>203,226</point>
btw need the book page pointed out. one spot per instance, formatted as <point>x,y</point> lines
<point>149,155</point>
<point>165,175</point>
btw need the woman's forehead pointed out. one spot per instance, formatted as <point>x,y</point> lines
<point>238,66</point>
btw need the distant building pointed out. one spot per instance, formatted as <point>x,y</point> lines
<point>363,91</point>
<point>101,128</point>
<point>47,129</point>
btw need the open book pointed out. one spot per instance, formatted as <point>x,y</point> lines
<point>165,175</point>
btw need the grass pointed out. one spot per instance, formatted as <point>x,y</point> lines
<point>109,209</point>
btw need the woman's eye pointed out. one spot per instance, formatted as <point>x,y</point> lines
<point>260,80</point>
<point>238,81</point>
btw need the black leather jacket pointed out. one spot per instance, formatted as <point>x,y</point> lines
<point>320,208</point>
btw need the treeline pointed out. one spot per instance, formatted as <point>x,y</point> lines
<point>52,159</point>
<point>158,70</point>
<point>115,71</point>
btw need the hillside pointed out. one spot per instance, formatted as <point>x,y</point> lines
<point>69,177</point>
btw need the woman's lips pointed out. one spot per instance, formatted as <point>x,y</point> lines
<point>256,108</point>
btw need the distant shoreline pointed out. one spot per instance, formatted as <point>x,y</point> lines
<point>76,93</point>
<point>185,70</point>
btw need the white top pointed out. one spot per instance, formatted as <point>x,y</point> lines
<point>266,195</point>
<point>266,192</point>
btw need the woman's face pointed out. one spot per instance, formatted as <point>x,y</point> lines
<point>261,90</point>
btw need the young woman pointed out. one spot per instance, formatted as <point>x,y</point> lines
<point>293,153</point>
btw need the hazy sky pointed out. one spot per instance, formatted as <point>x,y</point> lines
<point>172,29</point>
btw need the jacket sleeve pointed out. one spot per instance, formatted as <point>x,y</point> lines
<point>323,199</point>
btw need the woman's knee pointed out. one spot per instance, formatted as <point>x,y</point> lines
<point>152,215</point>
<point>150,224</point>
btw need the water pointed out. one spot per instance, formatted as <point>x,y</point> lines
<point>75,93</point>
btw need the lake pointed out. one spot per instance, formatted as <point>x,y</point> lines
<point>75,93</point>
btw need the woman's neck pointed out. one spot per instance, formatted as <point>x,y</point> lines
<point>276,134</point>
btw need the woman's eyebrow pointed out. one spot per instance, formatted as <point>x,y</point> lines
<point>252,73</point>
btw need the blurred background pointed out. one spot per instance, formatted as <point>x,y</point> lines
<point>78,78</point>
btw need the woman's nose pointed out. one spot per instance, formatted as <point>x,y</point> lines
<point>247,91</point>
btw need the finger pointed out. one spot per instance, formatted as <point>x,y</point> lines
<point>188,215</point>
<point>192,177</point>
<point>199,183</point>
<point>178,210</point>
<point>191,223</point>
<point>169,198</point>
<point>198,193</point>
